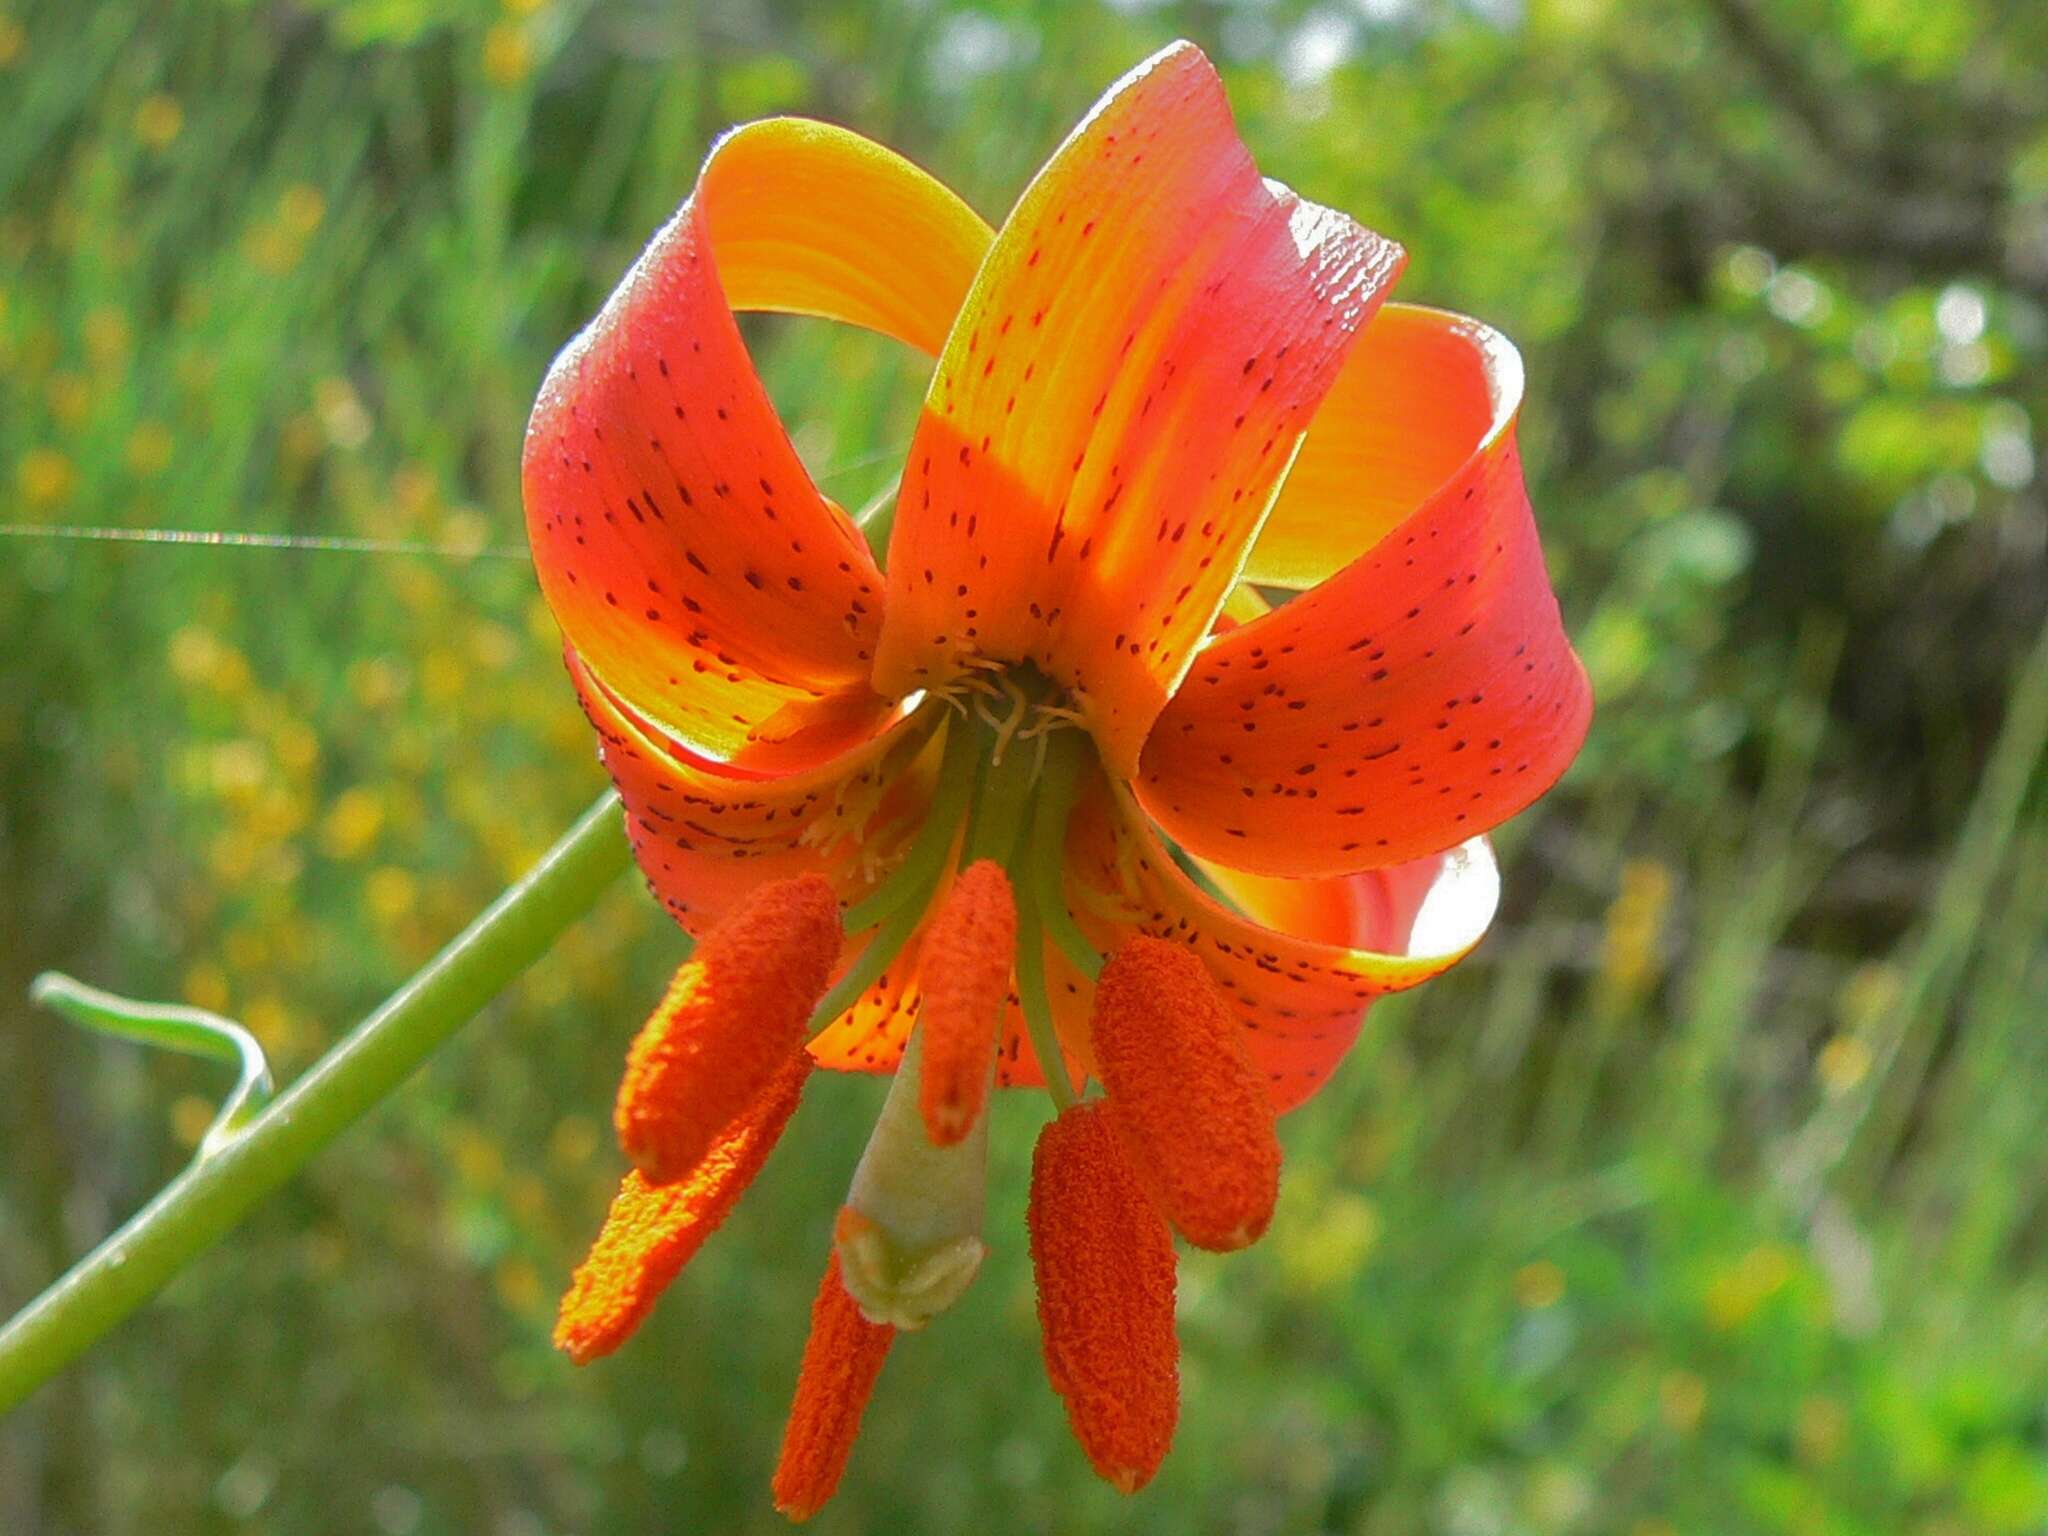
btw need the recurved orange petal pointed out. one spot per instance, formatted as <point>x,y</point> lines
<point>706,834</point>
<point>1420,696</point>
<point>1420,391</point>
<point>1124,385</point>
<point>1299,960</point>
<point>680,541</point>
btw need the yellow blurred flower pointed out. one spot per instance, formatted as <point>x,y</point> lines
<point>1559,1497</point>
<point>465,531</point>
<point>107,337</point>
<point>150,447</point>
<point>442,676</point>
<point>271,249</point>
<point>271,1022</point>
<point>191,1115</point>
<point>540,623</point>
<point>69,396</point>
<point>1682,1401</point>
<point>206,986</point>
<point>300,209</point>
<point>276,813</point>
<point>1867,994</point>
<point>1735,1294</point>
<point>390,893</point>
<point>1842,1063</point>
<point>414,491</point>
<point>13,41</point>
<point>234,856</point>
<point>1630,958</point>
<point>46,477</point>
<point>1821,1430</point>
<point>1322,1254</point>
<point>508,54</point>
<point>352,822</point>
<point>574,1141</point>
<point>340,412</point>
<point>245,948</point>
<point>159,120</point>
<point>239,768</point>
<point>195,372</point>
<point>376,682</point>
<point>300,440</point>
<point>476,1155</point>
<point>201,658</point>
<point>494,646</point>
<point>1539,1285</point>
<point>528,1198</point>
<point>520,1288</point>
<point>296,745</point>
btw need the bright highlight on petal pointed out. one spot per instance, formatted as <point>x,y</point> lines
<point>1105,1269</point>
<point>735,1013</point>
<point>1184,1098</point>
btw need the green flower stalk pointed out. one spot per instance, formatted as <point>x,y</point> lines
<point>248,1156</point>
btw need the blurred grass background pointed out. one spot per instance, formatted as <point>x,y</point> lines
<point>1710,1197</point>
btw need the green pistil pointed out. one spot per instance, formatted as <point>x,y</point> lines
<point>1014,799</point>
<point>1031,997</point>
<point>960,767</point>
<point>1046,856</point>
<point>1014,793</point>
<point>887,943</point>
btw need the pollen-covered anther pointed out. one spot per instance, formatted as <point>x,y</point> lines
<point>842,1358</point>
<point>1184,1097</point>
<point>652,1230</point>
<point>732,1016</point>
<point>969,947</point>
<point>1104,1263</point>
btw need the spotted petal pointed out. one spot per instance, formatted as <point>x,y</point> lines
<point>1425,692</point>
<point>681,543</point>
<point>1128,378</point>
<point>1300,960</point>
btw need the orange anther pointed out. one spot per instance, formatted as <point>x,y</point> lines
<point>732,1016</point>
<point>1183,1094</point>
<point>1105,1268</point>
<point>969,947</point>
<point>652,1231</point>
<point>842,1358</point>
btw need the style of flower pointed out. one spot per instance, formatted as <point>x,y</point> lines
<point>909,808</point>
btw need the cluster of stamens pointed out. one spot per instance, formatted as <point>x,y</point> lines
<point>1181,1138</point>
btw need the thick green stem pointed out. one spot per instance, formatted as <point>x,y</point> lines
<point>203,1203</point>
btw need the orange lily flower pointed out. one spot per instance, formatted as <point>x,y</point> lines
<point>909,808</point>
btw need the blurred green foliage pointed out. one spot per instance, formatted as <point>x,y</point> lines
<point>1707,1198</point>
